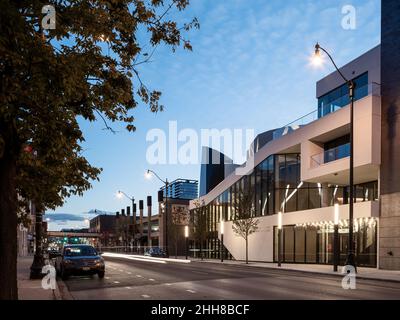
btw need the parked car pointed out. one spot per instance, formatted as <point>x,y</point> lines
<point>79,259</point>
<point>53,253</point>
<point>156,252</point>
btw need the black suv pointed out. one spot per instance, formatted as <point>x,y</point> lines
<point>79,259</point>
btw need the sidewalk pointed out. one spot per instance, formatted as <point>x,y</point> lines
<point>32,289</point>
<point>362,273</point>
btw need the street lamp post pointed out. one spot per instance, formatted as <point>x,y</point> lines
<point>279,238</point>
<point>148,175</point>
<point>350,253</point>
<point>222,240</point>
<point>119,195</point>
<point>38,259</point>
<point>336,251</point>
<point>187,240</point>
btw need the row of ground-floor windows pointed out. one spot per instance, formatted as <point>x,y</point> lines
<point>307,244</point>
<point>314,244</point>
<point>211,248</point>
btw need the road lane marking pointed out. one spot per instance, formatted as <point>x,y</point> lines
<point>128,288</point>
<point>121,270</point>
<point>168,284</point>
<point>152,279</point>
<point>139,276</point>
<point>116,282</point>
<point>107,278</point>
<point>128,272</point>
<point>145,296</point>
<point>200,272</point>
<point>191,291</point>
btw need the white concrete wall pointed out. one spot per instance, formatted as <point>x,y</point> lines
<point>261,242</point>
<point>367,147</point>
<point>367,150</point>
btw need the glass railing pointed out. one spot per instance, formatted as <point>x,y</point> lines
<point>330,155</point>
<point>372,89</point>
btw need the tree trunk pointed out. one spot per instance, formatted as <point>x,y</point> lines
<point>247,250</point>
<point>8,220</point>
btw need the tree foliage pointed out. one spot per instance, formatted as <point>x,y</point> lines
<point>199,224</point>
<point>87,68</point>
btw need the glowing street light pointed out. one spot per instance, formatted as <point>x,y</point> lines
<point>187,240</point>
<point>336,253</point>
<point>279,238</point>
<point>350,260</point>
<point>221,227</point>
<point>148,175</point>
<point>336,217</point>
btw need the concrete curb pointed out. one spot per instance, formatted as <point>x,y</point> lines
<point>63,291</point>
<point>338,274</point>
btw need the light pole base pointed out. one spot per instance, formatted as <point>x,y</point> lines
<point>36,267</point>
<point>351,261</point>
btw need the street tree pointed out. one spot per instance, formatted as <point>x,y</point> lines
<point>52,80</point>
<point>244,222</point>
<point>199,224</point>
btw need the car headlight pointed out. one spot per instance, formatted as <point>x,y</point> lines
<point>99,262</point>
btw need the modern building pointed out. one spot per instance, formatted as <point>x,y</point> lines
<point>303,170</point>
<point>215,167</point>
<point>173,217</point>
<point>182,189</point>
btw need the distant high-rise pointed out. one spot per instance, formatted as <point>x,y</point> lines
<point>182,189</point>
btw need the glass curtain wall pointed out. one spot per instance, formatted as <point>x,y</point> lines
<point>314,243</point>
<point>277,187</point>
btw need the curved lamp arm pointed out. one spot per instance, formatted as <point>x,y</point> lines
<point>121,192</point>
<point>157,176</point>
<point>317,48</point>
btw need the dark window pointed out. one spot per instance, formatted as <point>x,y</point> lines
<point>338,98</point>
<point>337,149</point>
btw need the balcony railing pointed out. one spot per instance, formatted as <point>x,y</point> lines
<point>372,89</point>
<point>330,155</point>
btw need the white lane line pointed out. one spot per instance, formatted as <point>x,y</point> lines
<point>168,284</point>
<point>121,270</point>
<point>145,296</point>
<point>128,272</point>
<point>116,281</point>
<point>200,272</point>
<point>191,291</point>
<point>107,278</point>
<point>139,276</point>
<point>152,279</point>
<point>128,288</point>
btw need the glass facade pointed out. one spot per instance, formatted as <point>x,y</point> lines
<point>337,149</point>
<point>339,97</point>
<point>277,187</point>
<point>313,243</point>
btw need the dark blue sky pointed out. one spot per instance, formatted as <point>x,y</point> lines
<point>249,69</point>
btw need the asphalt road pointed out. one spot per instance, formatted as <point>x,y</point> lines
<point>126,279</point>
